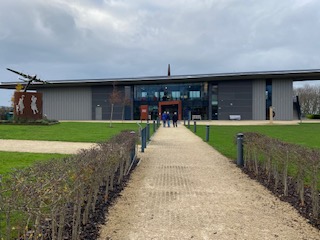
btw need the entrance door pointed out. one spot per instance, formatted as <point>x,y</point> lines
<point>98,113</point>
<point>171,106</point>
<point>214,112</point>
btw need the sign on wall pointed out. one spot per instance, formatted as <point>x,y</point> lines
<point>28,105</point>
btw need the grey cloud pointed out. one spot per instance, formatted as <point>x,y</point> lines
<point>61,39</point>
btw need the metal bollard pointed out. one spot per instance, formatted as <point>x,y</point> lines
<point>154,126</point>
<point>240,161</point>
<point>142,139</point>
<point>207,133</point>
<point>188,123</point>
<point>194,126</point>
<point>158,122</point>
<point>148,132</point>
<point>145,138</point>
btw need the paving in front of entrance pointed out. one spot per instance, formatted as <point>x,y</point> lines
<point>184,189</point>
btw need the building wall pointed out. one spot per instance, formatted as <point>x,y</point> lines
<point>72,103</point>
<point>245,98</point>
<point>235,98</point>
<point>259,99</point>
<point>101,97</point>
<point>282,99</point>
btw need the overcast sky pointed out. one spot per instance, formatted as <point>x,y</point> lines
<point>78,39</point>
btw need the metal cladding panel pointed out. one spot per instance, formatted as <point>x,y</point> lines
<point>101,97</point>
<point>235,98</point>
<point>73,103</point>
<point>282,99</point>
<point>259,99</point>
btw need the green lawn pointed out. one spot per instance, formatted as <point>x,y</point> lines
<point>223,138</point>
<point>66,131</point>
<point>11,160</point>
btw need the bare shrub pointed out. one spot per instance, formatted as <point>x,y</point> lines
<point>276,157</point>
<point>54,199</point>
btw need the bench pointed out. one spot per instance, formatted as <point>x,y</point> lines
<point>196,117</point>
<point>235,117</point>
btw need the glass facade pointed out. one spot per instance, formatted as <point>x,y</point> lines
<point>268,97</point>
<point>193,96</point>
<point>214,102</point>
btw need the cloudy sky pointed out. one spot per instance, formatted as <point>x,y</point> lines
<point>76,39</point>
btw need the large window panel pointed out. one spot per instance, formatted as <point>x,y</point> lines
<point>194,94</point>
<point>175,95</point>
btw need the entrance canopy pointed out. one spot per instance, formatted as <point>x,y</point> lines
<point>171,106</point>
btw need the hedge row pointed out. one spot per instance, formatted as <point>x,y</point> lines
<point>280,161</point>
<point>54,199</point>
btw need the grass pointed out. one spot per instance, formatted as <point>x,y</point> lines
<point>66,131</point>
<point>223,138</point>
<point>14,160</point>
<point>9,161</point>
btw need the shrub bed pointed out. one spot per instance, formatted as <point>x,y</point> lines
<point>290,171</point>
<point>59,199</point>
<point>313,116</point>
<point>29,122</point>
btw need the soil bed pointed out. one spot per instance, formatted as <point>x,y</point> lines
<point>292,198</point>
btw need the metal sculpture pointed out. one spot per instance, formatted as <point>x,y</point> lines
<point>27,105</point>
<point>27,78</point>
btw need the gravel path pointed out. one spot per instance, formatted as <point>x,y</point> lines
<point>184,189</point>
<point>42,146</point>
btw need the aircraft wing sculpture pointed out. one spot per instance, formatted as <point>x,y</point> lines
<point>28,78</point>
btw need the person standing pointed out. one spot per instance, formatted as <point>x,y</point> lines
<point>164,118</point>
<point>168,119</point>
<point>175,119</point>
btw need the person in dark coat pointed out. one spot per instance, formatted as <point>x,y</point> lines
<point>164,118</point>
<point>168,119</point>
<point>175,119</point>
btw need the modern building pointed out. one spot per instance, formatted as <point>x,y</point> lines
<point>245,96</point>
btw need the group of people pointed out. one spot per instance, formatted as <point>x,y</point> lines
<point>166,118</point>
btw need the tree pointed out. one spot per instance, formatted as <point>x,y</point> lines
<point>115,98</point>
<point>19,88</point>
<point>309,98</point>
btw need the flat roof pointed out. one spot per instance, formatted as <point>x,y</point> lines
<point>295,75</point>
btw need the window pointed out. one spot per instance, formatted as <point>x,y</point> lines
<point>127,92</point>
<point>175,94</point>
<point>214,94</point>
<point>194,94</point>
<point>156,96</point>
<point>144,96</point>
